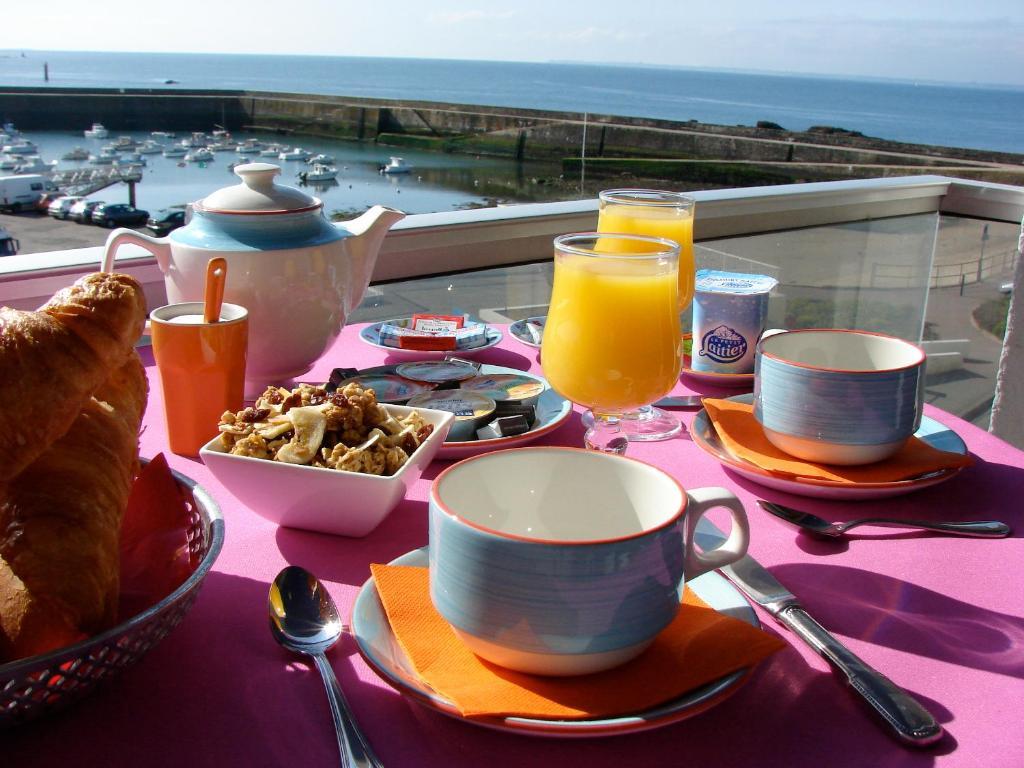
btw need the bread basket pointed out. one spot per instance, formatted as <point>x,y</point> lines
<point>34,686</point>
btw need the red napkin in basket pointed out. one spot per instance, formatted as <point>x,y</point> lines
<point>700,646</point>
<point>155,556</point>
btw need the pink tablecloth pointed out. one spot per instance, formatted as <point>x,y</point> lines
<point>943,617</point>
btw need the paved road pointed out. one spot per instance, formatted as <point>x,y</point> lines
<point>39,233</point>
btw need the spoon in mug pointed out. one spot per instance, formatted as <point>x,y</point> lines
<point>985,529</point>
<point>216,275</point>
<point>304,619</point>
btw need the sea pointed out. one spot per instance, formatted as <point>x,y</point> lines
<point>954,115</point>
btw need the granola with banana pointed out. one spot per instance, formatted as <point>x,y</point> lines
<point>346,430</point>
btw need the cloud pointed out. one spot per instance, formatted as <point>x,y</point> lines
<point>461,17</point>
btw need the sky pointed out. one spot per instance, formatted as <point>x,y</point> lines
<point>980,41</point>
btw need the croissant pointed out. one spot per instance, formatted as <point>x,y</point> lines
<point>60,515</point>
<point>51,361</point>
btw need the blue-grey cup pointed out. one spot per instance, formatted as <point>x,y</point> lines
<point>561,561</point>
<point>838,396</point>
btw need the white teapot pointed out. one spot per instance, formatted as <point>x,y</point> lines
<point>298,275</point>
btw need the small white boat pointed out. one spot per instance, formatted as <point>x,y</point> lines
<point>319,172</point>
<point>321,159</point>
<point>20,147</point>
<point>97,132</point>
<point>249,147</point>
<point>78,153</point>
<point>197,139</point>
<point>35,164</point>
<point>199,155</point>
<point>150,147</point>
<point>124,142</point>
<point>221,146</point>
<point>295,154</point>
<point>132,158</point>
<point>161,135</point>
<point>106,156</point>
<point>272,150</point>
<point>396,165</point>
<point>8,163</point>
<point>175,152</point>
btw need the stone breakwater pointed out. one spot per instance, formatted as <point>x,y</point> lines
<point>610,146</point>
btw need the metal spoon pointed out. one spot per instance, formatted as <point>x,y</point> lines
<point>985,529</point>
<point>304,619</point>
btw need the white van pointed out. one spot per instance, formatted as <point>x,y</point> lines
<point>21,192</point>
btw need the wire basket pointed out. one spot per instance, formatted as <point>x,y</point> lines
<point>48,682</point>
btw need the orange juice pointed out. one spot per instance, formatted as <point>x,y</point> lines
<point>673,223</point>
<point>611,339</point>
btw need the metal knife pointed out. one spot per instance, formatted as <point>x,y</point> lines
<point>680,401</point>
<point>911,722</point>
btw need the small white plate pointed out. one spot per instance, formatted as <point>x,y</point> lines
<point>371,335</point>
<point>552,410</point>
<point>931,432</point>
<point>521,331</point>
<point>379,648</point>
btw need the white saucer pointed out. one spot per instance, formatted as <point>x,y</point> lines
<point>521,332</point>
<point>931,432</point>
<point>379,648</point>
<point>371,335</point>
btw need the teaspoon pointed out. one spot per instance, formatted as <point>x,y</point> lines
<point>985,529</point>
<point>304,619</point>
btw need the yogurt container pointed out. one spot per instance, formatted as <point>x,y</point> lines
<point>510,387</point>
<point>471,410</point>
<point>729,314</point>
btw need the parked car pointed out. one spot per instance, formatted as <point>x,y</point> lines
<point>43,204</point>
<point>61,207</point>
<point>82,211</point>
<point>118,215</point>
<point>162,222</point>
<point>9,244</point>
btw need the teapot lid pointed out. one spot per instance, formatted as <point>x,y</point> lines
<point>258,193</point>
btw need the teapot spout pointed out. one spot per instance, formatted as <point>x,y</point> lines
<point>368,233</point>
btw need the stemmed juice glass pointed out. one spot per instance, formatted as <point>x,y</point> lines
<point>612,335</point>
<point>655,213</point>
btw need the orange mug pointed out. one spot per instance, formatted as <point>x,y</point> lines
<point>202,369</point>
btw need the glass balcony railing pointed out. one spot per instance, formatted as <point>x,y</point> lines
<point>924,258</point>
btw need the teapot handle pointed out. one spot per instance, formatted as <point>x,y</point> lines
<point>160,248</point>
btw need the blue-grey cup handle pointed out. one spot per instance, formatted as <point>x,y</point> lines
<point>732,549</point>
<point>770,332</point>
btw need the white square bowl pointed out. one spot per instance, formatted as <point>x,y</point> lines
<point>320,499</point>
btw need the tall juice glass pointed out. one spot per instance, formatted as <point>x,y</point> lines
<point>611,339</point>
<point>655,213</point>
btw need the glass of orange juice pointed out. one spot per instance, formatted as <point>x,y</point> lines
<point>655,213</point>
<point>612,335</point>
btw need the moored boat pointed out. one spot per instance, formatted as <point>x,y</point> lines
<point>319,172</point>
<point>396,165</point>
<point>98,131</point>
<point>298,153</point>
<point>199,155</point>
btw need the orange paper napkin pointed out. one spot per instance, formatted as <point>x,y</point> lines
<point>700,646</point>
<point>743,436</point>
